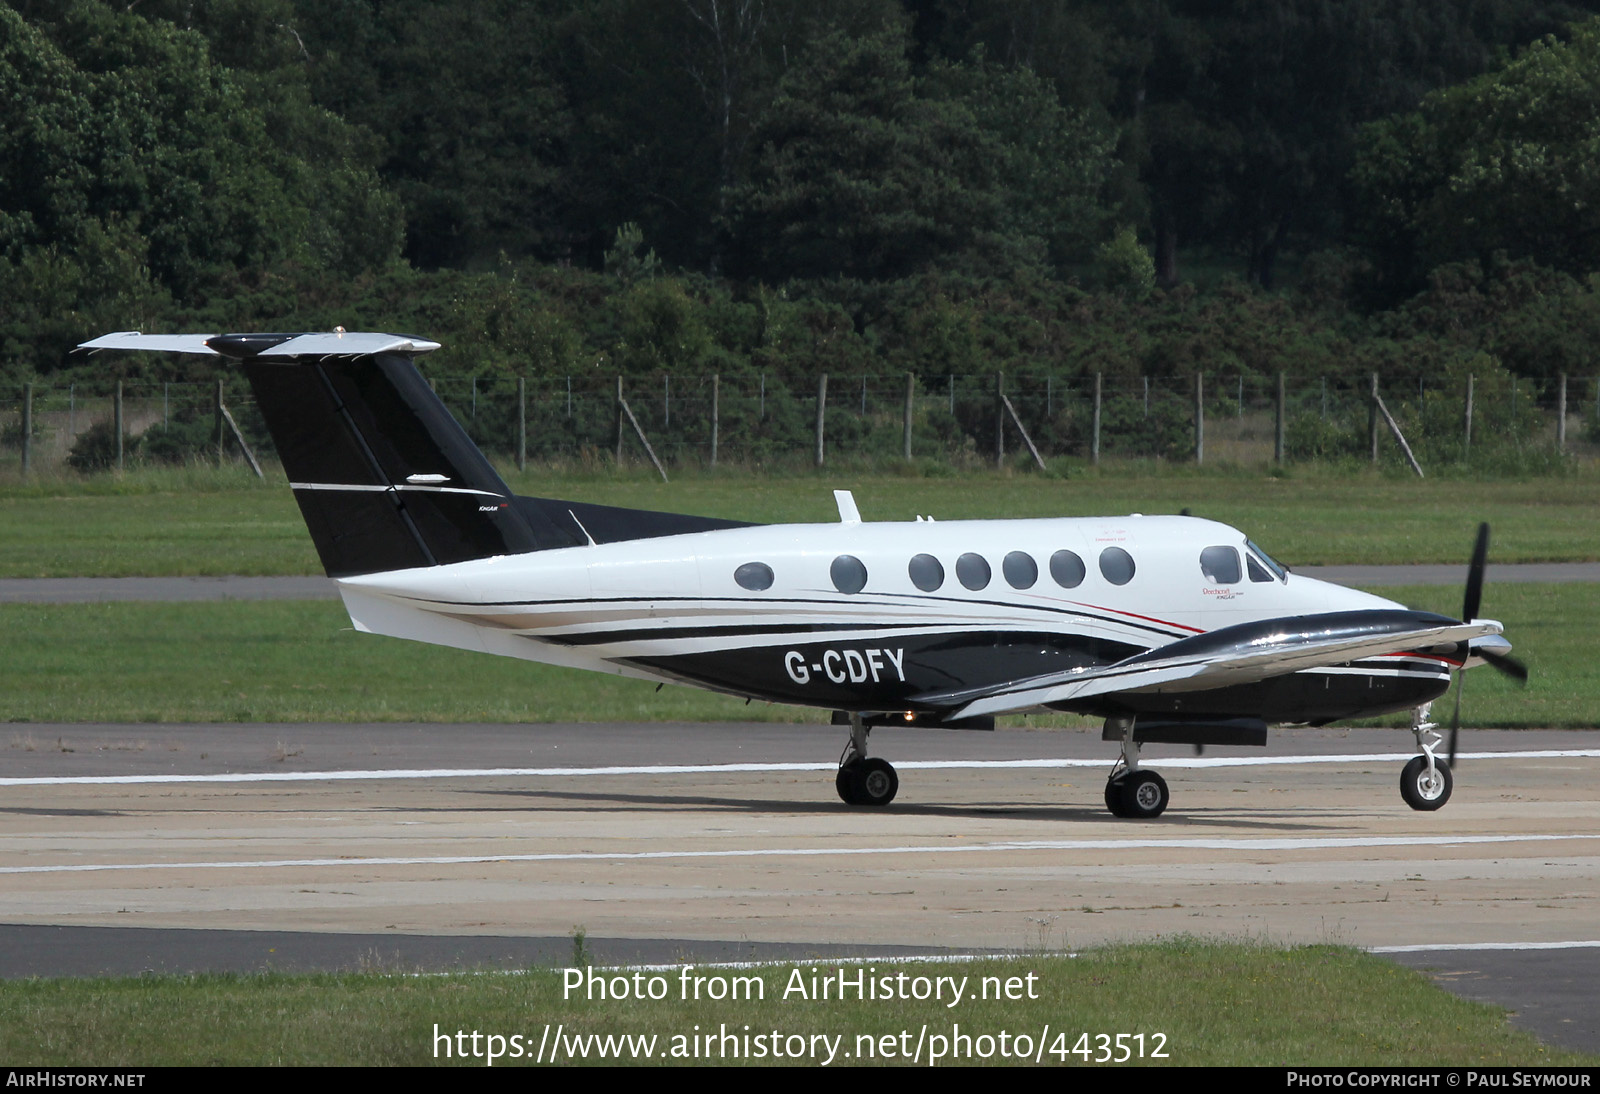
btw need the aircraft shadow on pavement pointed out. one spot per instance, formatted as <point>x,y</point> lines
<point>1274,821</point>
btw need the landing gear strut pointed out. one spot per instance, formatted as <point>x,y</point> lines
<point>864,780</point>
<point>1132,791</point>
<point>1425,782</point>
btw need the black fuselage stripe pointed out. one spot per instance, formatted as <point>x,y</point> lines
<point>812,604</point>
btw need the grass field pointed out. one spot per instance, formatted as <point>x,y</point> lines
<point>203,522</point>
<point>289,661</point>
<point>1211,1004</point>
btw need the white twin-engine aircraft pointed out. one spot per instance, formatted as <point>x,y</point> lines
<point>1172,629</point>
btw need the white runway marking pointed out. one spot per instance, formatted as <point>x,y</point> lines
<point>1430,947</point>
<point>717,769</point>
<point>1262,844</point>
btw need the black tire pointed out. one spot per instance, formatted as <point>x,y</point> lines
<point>1114,796</point>
<point>845,783</point>
<point>1144,795</point>
<point>1419,791</point>
<point>876,782</point>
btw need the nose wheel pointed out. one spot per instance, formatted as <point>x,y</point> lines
<point>1426,787</point>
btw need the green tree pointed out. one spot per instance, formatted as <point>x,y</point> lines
<point>1508,162</point>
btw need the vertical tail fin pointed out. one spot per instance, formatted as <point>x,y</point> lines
<point>384,475</point>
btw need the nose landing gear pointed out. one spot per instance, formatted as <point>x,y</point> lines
<point>1425,782</point>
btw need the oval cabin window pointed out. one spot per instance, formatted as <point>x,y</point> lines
<point>849,574</point>
<point>754,576</point>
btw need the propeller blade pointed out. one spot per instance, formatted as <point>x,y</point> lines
<point>1506,664</point>
<point>1480,556</point>
<point>1455,722</point>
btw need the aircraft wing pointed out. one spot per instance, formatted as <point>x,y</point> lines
<point>1241,654</point>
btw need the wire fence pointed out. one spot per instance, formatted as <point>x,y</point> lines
<point>760,419</point>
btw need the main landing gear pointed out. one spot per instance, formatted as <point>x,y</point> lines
<point>1425,782</point>
<point>1132,791</point>
<point>864,780</point>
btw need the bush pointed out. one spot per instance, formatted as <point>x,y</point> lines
<point>96,448</point>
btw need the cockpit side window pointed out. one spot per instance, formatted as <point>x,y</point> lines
<point>1266,561</point>
<point>1220,565</point>
<point>1258,573</point>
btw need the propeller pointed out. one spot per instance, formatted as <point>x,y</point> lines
<point>1503,663</point>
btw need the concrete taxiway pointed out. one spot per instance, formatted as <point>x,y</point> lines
<point>710,842</point>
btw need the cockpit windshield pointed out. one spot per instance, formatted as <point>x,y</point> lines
<point>1268,561</point>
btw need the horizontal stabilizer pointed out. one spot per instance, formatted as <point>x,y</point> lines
<point>316,344</point>
<point>156,343</point>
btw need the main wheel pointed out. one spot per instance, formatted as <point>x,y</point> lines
<point>875,782</point>
<point>1422,791</point>
<point>1144,795</point>
<point>1114,796</point>
<point>867,782</point>
<point>845,783</point>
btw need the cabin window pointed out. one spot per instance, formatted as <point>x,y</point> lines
<point>1020,570</point>
<point>1116,565</point>
<point>1067,568</point>
<point>754,576</point>
<point>927,573</point>
<point>849,575</point>
<point>1220,565</point>
<point>973,570</point>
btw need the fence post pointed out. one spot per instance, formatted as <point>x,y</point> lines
<point>1372,419</point>
<point>619,419</point>
<point>72,411</point>
<point>216,411</point>
<point>27,427</point>
<point>116,414</point>
<point>1094,437</point>
<point>1199,418</point>
<point>999,419</point>
<point>522,423</point>
<point>1241,396</point>
<point>1561,414</point>
<point>1466,422</point>
<point>1146,380</point>
<point>1277,438</point>
<point>911,391</point>
<point>822,406</point>
<point>716,391</point>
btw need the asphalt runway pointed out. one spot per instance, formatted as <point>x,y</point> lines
<point>408,846</point>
